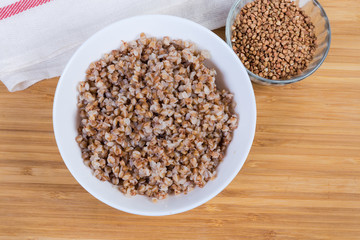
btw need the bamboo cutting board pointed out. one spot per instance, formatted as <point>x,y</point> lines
<point>300,181</point>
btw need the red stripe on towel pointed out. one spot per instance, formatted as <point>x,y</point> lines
<point>19,7</point>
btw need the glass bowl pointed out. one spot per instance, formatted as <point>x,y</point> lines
<point>322,31</point>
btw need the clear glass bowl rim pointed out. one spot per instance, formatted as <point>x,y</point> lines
<point>292,80</point>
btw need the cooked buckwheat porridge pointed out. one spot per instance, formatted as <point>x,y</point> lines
<point>152,120</point>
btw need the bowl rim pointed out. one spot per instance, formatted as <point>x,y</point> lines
<point>295,79</point>
<point>94,193</point>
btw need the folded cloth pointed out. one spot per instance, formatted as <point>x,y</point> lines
<point>38,37</point>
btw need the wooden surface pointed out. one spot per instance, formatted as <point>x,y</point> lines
<point>300,181</point>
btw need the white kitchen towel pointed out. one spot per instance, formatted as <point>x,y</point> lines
<point>38,37</point>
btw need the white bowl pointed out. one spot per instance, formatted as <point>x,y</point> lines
<point>231,74</point>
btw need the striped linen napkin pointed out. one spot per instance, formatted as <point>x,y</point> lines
<point>38,37</point>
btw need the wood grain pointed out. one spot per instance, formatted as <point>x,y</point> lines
<point>300,181</point>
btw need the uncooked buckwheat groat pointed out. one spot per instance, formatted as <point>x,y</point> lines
<point>152,120</point>
<point>274,39</point>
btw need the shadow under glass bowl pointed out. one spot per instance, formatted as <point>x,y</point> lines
<point>314,10</point>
